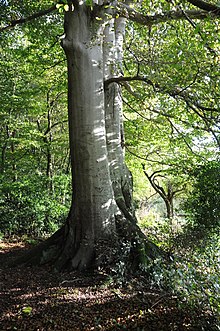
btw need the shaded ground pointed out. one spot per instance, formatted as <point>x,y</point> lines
<point>37,298</point>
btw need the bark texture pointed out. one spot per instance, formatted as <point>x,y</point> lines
<point>101,228</point>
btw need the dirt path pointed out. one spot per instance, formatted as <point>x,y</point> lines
<point>36,298</point>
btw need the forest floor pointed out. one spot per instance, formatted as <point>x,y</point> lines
<point>37,298</point>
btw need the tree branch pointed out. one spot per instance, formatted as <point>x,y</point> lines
<point>149,20</point>
<point>125,11</point>
<point>210,7</point>
<point>32,17</point>
<point>175,92</point>
<point>122,79</point>
<point>159,189</point>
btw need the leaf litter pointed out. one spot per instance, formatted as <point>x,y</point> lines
<point>40,299</point>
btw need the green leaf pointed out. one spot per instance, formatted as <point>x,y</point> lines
<point>89,3</point>
<point>27,310</point>
<point>58,5</point>
<point>66,7</point>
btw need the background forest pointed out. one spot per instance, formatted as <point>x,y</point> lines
<point>172,137</point>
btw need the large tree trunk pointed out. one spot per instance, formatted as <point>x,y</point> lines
<point>92,217</point>
<point>101,228</point>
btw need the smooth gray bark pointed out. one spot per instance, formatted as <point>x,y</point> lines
<point>92,217</point>
<point>101,228</point>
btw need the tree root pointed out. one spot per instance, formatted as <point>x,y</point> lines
<point>129,247</point>
<point>45,252</point>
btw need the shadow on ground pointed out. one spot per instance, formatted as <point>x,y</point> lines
<point>37,298</point>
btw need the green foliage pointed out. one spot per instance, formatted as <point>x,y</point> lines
<point>34,165</point>
<point>193,273</point>
<point>163,129</point>
<point>203,203</point>
<point>1,236</point>
<point>194,276</point>
<point>62,7</point>
<point>29,207</point>
<point>89,3</point>
<point>159,230</point>
<point>27,310</point>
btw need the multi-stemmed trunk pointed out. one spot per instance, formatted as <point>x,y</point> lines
<point>101,226</point>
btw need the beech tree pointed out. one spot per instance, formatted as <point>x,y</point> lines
<point>101,227</point>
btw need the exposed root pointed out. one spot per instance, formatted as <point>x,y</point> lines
<point>128,246</point>
<point>45,252</point>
